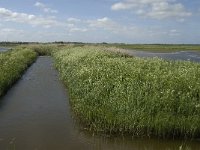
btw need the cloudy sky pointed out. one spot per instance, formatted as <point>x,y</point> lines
<point>128,21</point>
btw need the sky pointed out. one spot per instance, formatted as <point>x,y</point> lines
<point>112,21</point>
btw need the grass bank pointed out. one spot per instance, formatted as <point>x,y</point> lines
<point>112,93</point>
<point>12,65</point>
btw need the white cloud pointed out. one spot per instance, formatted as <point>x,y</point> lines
<point>76,25</point>
<point>131,31</point>
<point>10,31</point>
<point>105,23</point>
<point>156,9</point>
<point>121,6</point>
<point>174,32</point>
<point>40,5</point>
<point>8,15</point>
<point>45,8</point>
<point>11,34</point>
<point>165,10</point>
<point>73,19</point>
<point>70,25</point>
<point>113,27</point>
<point>75,29</point>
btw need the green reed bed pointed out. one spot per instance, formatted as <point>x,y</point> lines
<point>43,50</point>
<point>112,93</point>
<point>12,65</point>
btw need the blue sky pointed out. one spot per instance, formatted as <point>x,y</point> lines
<point>127,21</point>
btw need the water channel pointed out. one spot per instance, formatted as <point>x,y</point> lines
<point>182,55</point>
<point>3,49</point>
<point>35,115</point>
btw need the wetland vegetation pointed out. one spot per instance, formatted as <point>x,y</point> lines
<point>12,65</point>
<point>114,93</point>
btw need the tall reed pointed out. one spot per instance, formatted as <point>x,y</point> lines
<point>12,65</point>
<point>113,93</point>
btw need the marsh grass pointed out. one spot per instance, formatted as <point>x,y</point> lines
<point>49,49</point>
<point>117,94</point>
<point>12,65</point>
<point>43,50</point>
<point>112,93</point>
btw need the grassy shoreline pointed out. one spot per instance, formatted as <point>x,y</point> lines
<point>12,65</point>
<point>142,97</point>
<point>158,47</point>
<point>140,47</point>
<point>113,93</point>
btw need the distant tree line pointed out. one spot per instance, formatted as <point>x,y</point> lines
<point>5,43</point>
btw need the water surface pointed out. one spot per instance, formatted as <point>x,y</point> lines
<point>182,55</point>
<point>35,115</point>
<point>3,49</point>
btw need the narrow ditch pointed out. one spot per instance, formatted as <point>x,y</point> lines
<point>35,113</point>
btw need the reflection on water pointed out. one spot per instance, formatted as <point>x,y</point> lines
<point>182,55</point>
<point>130,143</point>
<point>35,115</point>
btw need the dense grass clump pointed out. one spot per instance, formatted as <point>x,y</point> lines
<point>44,50</point>
<point>143,97</point>
<point>49,49</point>
<point>12,65</point>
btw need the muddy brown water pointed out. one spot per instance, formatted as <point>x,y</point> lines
<point>35,115</point>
